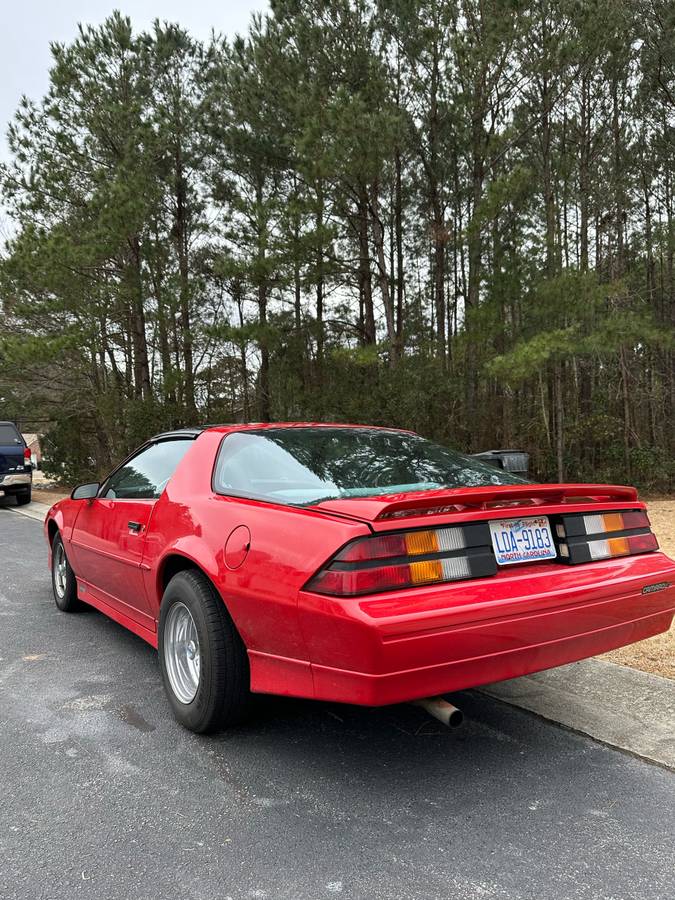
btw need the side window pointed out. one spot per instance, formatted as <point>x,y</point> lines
<point>145,476</point>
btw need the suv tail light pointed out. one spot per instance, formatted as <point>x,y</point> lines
<point>407,559</point>
<point>27,457</point>
<point>585,538</point>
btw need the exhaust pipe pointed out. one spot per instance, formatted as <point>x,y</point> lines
<point>442,710</point>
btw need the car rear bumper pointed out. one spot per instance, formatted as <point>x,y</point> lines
<point>10,484</point>
<point>393,648</point>
<point>424,681</point>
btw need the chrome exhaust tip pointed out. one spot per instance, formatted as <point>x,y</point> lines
<point>442,710</point>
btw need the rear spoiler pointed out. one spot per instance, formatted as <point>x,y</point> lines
<point>494,496</point>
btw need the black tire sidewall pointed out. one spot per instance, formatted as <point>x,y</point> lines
<point>69,601</point>
<point>199,715</point>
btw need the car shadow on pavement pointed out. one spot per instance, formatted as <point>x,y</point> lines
<point>396,730</point>
<point>395,733</point>
<point>399,749</point>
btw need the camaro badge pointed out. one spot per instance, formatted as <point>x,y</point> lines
<point>659,586</point>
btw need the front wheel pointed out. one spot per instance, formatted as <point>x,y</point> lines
<point>202,657</point>
<point>64,583</point>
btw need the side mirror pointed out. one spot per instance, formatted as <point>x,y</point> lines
<point>85,491</point>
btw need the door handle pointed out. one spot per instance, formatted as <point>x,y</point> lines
<point>136,527</point>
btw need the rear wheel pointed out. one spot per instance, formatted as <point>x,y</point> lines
<point>23,498</point>
<point>64,583</point>
<point>202,657</point>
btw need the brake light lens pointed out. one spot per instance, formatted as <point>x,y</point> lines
<point>407,559</point>
<point>27,456</point>
<point>616,521</point>
<point>586,538</point>
<point>639,543</point>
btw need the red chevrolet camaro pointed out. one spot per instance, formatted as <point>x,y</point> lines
<point>350,563</point>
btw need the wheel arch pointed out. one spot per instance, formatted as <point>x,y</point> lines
<point>52,531</point>
<point>175,562</point>
<point>57,523</point>
<point>171,565</point>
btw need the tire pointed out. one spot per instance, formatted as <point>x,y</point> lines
<point>23,498</point>
<point>64,583</point>
<point>213,692</point>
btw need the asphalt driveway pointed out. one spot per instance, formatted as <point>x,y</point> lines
<point>103,795</point>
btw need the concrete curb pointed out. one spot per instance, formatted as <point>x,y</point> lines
<point>623,707</point>
<point>32,510</point>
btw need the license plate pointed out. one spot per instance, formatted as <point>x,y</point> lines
<point>522,540</point>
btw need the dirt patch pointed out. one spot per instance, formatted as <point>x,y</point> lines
<point>49,496</point>
<point>656,654</point>
<point>662,517</point>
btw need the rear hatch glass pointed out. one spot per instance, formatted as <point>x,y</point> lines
<point>306,466</point>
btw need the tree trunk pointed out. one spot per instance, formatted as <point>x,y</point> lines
<point>182,252</point>
<point>320,282</point>
<point>398,237</point>
<point>261,254</point>
<point>584,173</point>
<point>559,421</point>
<point>365,282</point>
<point>383,277</point>
<point>142,389</point>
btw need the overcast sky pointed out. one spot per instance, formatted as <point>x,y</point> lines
<point>28,26</point>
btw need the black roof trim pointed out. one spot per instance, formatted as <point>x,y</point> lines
<point>192,432</point>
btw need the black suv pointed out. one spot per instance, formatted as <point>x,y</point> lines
<point>16,471</point>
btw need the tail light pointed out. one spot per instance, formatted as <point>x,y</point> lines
<point>407,559</point>
<point>27,457</point>
<point>454,553</point>
<point>585,538</point>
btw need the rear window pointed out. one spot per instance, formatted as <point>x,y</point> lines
<point>304,465</point>
<point>9,435</point>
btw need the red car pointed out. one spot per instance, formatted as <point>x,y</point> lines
<point>351,563</point>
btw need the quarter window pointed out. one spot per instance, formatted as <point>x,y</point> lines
<point>145,475</point>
